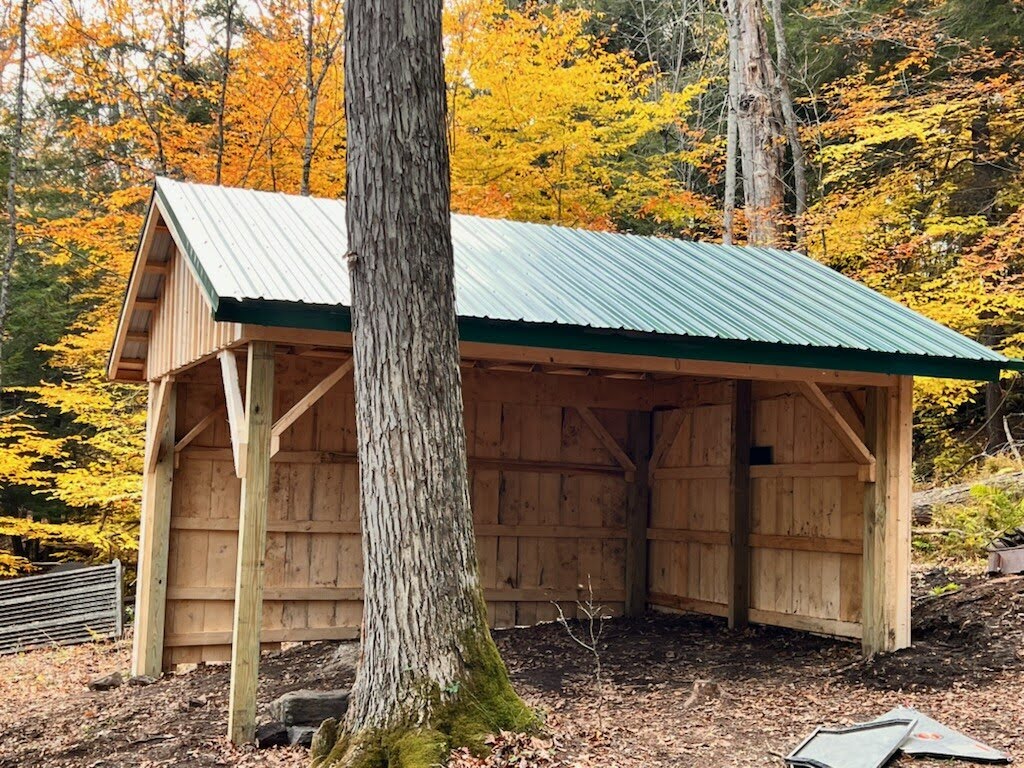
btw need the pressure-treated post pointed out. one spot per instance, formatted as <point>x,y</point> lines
<point>739,504</point>
<point>154,531</point>
<point>885,610</point>
<point>638,502</point>
<point>252,543</point>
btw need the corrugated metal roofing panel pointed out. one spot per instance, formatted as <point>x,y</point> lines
<point>267,247</point>
<point>61,608</point>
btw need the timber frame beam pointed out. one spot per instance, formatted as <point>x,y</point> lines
<point>308,401</point>
<point>608,441</point>
<point>885,612</point>
<point>604,361</point>
<point>235,407</point>
<point>154,533</point>
<point>638,513</point>
<point>740,503</point>
<point>669,434</point>
<point>160,414</point>
<point>841,428</point>
<point>252,544</point>
<point>196,431</point>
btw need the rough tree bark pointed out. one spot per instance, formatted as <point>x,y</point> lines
<point>430,676</point>
<point>14,166</point>
<point>731,152</point>
<point>758,121</point>
<point>784,74</point>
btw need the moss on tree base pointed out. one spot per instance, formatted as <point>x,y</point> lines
<point>483,703</point>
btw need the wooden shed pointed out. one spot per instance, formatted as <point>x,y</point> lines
<point>683,426</point>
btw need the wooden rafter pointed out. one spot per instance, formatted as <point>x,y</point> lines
<point>160,415</point>
<point>307,402</point>
<point>235,408</point>
<point>839,426</point>
<point>609,442</point>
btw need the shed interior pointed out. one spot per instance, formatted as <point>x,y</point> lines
<point>553,454</point>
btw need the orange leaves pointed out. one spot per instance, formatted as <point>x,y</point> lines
<point>546,122</point>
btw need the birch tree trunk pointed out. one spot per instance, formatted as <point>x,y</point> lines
<point>757,120</point>
<point>430,676</point>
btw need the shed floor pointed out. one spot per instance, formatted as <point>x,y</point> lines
<point>766,689</point>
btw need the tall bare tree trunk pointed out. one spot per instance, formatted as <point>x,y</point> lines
<point>784,72</point>
<point>315,82</point>
<point>312,96</point>
<point>430,676</point>
<point>14,166</point>
<point>229,29</point>
<point>757,120</point>
<point>731,152</point>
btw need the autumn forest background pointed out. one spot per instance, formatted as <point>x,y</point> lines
<point>901,146</point>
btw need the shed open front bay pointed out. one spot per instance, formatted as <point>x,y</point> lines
<point>675,426</point>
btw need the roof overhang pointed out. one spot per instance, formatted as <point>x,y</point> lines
<point>296,315</point>
<point>585,339</point>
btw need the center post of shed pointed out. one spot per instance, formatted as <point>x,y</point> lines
<point>748,478</point>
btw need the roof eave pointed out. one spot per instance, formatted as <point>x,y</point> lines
<point>132,289</point>
<point>586,339</point>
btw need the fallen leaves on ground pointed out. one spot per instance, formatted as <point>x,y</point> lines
<point>677,690</point>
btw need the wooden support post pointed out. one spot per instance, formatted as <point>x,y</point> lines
<point>154,532</point>
<point>638,502</point>
<point>740,505</point>
<point>885,612</point>
<point>252,543</point>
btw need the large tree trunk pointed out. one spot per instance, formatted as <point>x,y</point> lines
<point>13,167</point>
<point>430,676</point>
<point>757,120</point>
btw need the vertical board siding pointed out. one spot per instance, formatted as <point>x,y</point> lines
<point>793,582</point>
<point>688,556</point>
<point>182,329</point>
<point>313,572</point>
<point>542,536</point>
<point>805,587</point>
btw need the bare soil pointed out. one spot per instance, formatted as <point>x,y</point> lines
<point>678,691</point>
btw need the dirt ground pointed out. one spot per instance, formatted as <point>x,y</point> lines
<point>679,691</point>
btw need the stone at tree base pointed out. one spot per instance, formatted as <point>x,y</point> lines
<point>306,707</point>
<point>107,682</point>
<point>141,680</point>
<point>272,734</point>
<point>323,740</point>
<point>301,735</point>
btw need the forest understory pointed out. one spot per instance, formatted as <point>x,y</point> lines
<point>678,690</point>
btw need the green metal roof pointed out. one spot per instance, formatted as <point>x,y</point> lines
<point>273,259</point>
